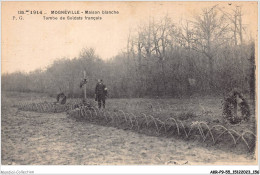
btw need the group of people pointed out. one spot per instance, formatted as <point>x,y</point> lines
<point>100,94</point>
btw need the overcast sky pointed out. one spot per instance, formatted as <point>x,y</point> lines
<point>34,43</point>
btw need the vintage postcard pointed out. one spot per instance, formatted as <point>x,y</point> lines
<point>129,83</point>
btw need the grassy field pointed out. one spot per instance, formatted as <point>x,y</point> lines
<point>54,138</point>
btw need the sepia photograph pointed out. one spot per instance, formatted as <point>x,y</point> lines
<point>129,83</point>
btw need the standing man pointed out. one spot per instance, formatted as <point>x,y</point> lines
<point>100,93</point>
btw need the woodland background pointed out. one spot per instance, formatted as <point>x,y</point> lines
<point>207,55</point>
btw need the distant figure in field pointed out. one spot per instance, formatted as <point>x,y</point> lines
<point>100,93</point>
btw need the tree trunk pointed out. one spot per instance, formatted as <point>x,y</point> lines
<point>140,73</point>
<point>211,74</point>
<point>240,27</point>
<point>163,78</point>
<point>235,30</point>
<point>252,73</point>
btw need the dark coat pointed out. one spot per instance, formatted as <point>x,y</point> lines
<point>100,90</point>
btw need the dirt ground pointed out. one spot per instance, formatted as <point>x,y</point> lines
<point>30,138</point>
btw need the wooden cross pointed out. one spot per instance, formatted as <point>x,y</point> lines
<point>84,86</point>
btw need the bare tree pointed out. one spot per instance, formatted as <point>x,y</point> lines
<point>161,33</point>
<point>184,37</point>
<point>236,26</point>
<point>209,33</point>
